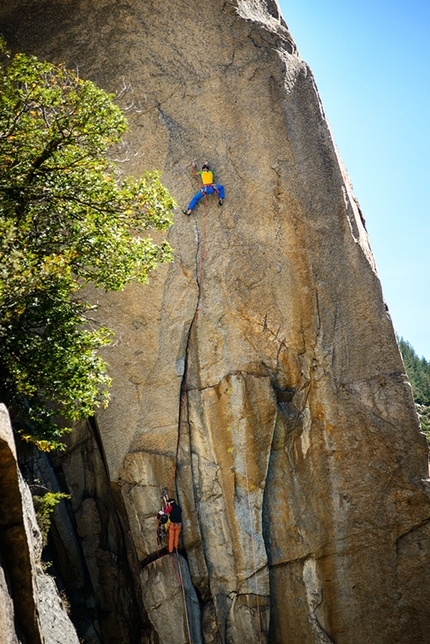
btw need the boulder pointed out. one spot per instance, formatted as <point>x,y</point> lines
<point>171,601</point>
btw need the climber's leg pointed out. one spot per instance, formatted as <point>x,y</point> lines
<point>220,191</point>
<point>177,532</point>
<point>199,195</point>
<point>171,538</point>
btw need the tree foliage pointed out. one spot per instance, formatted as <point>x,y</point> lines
<point>44,506</point>
<point>418,372</point>
<point>67,218</point>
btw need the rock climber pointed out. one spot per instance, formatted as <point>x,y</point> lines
<point>208,187</point>
<point>175,512</point>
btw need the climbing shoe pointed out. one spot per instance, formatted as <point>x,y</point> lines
<point>186,213</point>
<point>220,202</point>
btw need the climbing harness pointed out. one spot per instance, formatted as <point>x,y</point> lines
<point>204,188</point>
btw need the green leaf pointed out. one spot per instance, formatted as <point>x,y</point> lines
<point>67,218</point>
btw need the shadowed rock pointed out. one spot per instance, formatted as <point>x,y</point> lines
<point>30,607</point>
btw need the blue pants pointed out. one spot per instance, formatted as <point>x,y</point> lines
<point>206,190</point>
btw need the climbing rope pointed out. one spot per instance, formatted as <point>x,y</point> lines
<point>184,388</point>
<point>253,550</point>
<point>203,253</point>
<point>183,403</point>
<point>177,566</point>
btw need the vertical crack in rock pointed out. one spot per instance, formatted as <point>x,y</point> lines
<point>191,607</point>
<point>183,398</point>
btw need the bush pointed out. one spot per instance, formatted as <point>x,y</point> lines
<point>67,218</point>
<point>44,506</point>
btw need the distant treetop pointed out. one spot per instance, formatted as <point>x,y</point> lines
<point>418,372</point>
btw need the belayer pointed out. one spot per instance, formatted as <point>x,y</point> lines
<point>175,512</point>
<point>208,187</point>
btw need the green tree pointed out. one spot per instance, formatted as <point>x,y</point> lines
<point>67,218</point>
<point>418,372</point>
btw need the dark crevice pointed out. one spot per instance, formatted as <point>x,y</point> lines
<point>96,433</point>
<point>158,554</point>
<point>184,382</point>
<point>284,395</point>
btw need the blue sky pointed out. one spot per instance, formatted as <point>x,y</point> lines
<point>371,62</point>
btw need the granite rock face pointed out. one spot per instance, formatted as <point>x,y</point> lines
<point>31,610</point>
<point>90,545</point>
<point>258,376</point>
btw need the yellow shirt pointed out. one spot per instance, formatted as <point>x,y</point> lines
<point>207,177</point>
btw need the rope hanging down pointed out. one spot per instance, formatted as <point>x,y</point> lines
<point>199,307</point>
<point>260,633</point>
<point>177,566</point>
<point>184,399</point>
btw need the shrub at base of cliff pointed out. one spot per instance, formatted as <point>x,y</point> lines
<point>44,506</point>
<point>67,218</point>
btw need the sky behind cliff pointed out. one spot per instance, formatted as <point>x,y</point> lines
<point>371,62</point>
